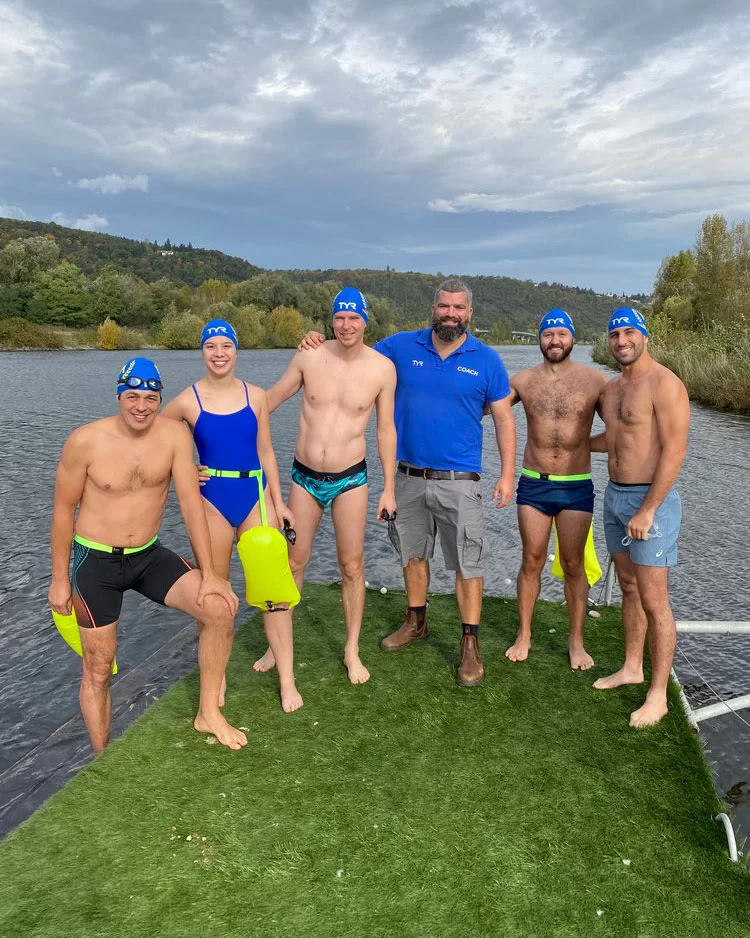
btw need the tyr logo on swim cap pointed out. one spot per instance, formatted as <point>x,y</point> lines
<point>139,374</point>
<point>350,300</point>
<point>557,319</point>
<point>219,329</point>
<point>626,317</point>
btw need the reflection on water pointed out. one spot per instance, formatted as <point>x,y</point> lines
<point>47,394</point>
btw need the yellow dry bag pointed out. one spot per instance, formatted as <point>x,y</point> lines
<point>265,559</point>
<point>590,560</point>
<point>67,626</point>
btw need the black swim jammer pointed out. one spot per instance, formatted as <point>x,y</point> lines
<point>100,577</point>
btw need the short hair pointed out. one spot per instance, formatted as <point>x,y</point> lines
<point>453,285</point>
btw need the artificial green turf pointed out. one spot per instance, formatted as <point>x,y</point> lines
<point>405,807</point>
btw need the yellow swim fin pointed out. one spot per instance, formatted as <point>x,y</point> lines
<point>590,560</point>
<point>264,556</point>
<point>67,626</point>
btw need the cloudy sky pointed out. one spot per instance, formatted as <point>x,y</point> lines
<point>573,141</point>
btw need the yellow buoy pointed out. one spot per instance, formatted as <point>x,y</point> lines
<point>590,560</point>
<point>264,555</point>
<point>67,626</point>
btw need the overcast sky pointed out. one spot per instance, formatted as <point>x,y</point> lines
<point>575,141</point>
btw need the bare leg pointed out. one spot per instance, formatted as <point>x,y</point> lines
<point>349,513</point>
<point>215,636</point>
<point>278,629</point>
<point>634,625</point>
<point>662,637</point>
<point>99,647</point>
<point>222,540</point>
<point>535,529</point>
<point>572,531</point>
<point>469,597</point>
<point>417,581</point>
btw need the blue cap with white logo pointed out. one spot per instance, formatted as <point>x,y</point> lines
<point>219,329</point>
<point>350,300</point>
<point>557,319</point>
<point>139,374</point>
<point>626,317</point>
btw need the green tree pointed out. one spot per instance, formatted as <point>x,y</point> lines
<point>109,335</point>
<point>121,296</point>
<point>14,299</point>
<point>22,259</point>
<point>212,291</point>
<point>180,332</point>
<point>61,297</point>
<point>714,271</point>
<point>248,321</point>
<point>285,327</point>
<point>676,278</point>
<point>500,333</point>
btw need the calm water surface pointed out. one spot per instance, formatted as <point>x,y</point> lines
<point>47,394</point>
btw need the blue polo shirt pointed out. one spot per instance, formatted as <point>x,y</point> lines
<point>439,404</point>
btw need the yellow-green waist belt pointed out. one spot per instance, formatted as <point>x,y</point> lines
<point>532,474</point>
<point>95,545</point>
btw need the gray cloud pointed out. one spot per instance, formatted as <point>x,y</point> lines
<point>113,184</point>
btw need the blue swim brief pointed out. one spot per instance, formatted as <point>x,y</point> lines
<point>621,502</point>
<point>326,486</point>
<point>551,496</point>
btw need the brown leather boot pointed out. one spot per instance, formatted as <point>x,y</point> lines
<point>413,629</point>
<point>470,669</point>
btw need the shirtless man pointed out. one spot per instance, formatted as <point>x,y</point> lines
<point>560,398</point>
<point>116,472</point>
<point>647,417</point>
<point>342,380</point>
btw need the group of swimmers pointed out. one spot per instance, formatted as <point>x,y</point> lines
<point>430,389</point>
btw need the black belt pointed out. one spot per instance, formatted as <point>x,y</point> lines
<point>439,475</point>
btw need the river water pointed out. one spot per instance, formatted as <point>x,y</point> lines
<point>46,394</point>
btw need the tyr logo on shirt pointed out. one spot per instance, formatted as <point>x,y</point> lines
<point>468,371</point>
<point>415,361</point>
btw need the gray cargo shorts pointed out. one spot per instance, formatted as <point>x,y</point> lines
<point>451,508</point>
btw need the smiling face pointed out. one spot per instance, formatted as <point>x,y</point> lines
<point>627,344</point>
<point>349,328</point>
<point>451,315</point>
<point>138,409</point>
<point>219,356</point>
<point>556,344</point>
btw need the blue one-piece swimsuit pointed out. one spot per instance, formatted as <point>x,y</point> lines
<point>229,442</point>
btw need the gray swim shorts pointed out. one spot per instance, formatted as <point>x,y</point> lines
<point>451,508</point>
<point>621,502</point>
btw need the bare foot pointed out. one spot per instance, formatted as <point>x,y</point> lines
<point>580,659</point>
<point>223,691</point>
<point>623,676</point>
<point>651,712</point>
<point>266,662</point>
<point>519,650</point>
<point>358,673</point>
<point>291,700</point>
<point>223,731</point>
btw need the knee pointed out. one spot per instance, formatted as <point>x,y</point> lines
<point>628,585</point>
<point>97,671</point>
<point>572,567</point>
<point>352,567</point>
<point>216,615</point>
<point>655,603</point>
<point>532,562</point>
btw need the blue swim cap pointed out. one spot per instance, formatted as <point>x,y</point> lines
<point>627,316</point>
<point>219,329</point>
<point>139,374</point>
<point>350,300</point>
<point>557,319</point>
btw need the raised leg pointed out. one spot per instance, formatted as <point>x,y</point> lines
<point>349,513</point>
<point>634,625</point>
<point>535,530</point>
<point>572,531</point>
<point>99,647</point>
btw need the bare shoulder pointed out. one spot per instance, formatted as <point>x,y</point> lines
<point>173,431</point>
<point>379,362</point>
<point>256,395</point>
<point>83,437</point>
<point>665,383</point>
<point>521,380</point>
<point>593,376</point>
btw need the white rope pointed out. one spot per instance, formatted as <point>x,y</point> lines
<point>712,688</point>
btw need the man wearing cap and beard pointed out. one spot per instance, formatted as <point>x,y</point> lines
<point>646,412</point>
<point>116,472</point>
<point>560,398</point>
<point>341,380</point>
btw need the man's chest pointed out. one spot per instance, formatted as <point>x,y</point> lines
<point>330,385</point>
<point>123,470</point>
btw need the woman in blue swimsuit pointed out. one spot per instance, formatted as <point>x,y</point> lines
<point>229,420</point>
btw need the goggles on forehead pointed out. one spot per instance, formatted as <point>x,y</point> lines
<point>134,382</point>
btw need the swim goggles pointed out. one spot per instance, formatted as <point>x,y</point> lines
<point>653,533</point>
<point>133,381</point>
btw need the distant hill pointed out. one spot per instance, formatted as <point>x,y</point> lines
<point>91,250</point>
<point>520,302</point>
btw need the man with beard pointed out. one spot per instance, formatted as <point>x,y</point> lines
<point>446,378</point>
<point>647,417</point>
<point>560,398</point>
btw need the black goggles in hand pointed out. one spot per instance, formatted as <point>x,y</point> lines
<point>146,384</point>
